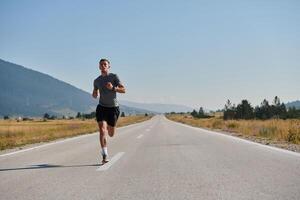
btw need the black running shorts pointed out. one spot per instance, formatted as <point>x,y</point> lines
<point>110,115</point>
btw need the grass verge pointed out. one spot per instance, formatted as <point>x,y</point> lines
<point>273,130</point>
<point>16,134</point>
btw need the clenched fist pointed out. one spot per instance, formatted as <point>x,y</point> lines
<point>109,85</point>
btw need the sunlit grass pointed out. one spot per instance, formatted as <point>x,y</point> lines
<point>273,129</point>
<point>15,134</point>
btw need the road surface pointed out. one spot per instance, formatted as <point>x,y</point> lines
<point>156,159</point>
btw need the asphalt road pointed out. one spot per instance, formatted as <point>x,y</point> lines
<point>156,159</point>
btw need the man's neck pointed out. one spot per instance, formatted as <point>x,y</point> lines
<point>104,73</point>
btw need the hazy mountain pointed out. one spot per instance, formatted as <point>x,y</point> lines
<point>295,104</point>
<point>134,111</point>
<point>27,92</point>
<point>157,107</point>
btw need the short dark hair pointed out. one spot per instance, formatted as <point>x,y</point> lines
<point>104,59</point>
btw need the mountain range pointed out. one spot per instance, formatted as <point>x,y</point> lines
<point>25,92</point>
<point>295,104</point>
<point>158,107</point>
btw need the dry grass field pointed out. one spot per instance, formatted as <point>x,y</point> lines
<point>273,129</point>
<point>15,134</point>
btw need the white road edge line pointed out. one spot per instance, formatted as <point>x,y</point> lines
<point>48,144</point>
<point>64,140</point>
<point>240,139</point>
<point>111,162</point>
<point>140,136</point>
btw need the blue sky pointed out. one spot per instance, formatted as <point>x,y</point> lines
<point>195,53</point>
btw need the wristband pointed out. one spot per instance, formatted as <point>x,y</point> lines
<point>113,88</point>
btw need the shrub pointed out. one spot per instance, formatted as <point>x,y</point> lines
<point>268,132</point>
<point>232,125</point>
<point>217,124</point>
<point>294,135</point>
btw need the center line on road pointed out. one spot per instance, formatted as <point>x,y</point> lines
<point>111,162</point>
<point>138,137</point>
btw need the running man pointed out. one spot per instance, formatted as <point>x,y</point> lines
<point>107,112</point>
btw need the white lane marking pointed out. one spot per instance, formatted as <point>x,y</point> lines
<point>140,136</point>
<point>237,138</point>
<point>114,159</point>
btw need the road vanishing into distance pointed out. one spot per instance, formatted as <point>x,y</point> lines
<point>155,159</point>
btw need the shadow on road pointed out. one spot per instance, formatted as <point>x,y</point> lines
<point>48,166</point>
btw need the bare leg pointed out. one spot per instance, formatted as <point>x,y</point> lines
<point>102,129</point>
<point>103,140</point>
<point>111,130</point>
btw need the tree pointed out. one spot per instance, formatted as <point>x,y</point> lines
<point>194,113</point>
<point>53,117</point>
<point>229,111</point>
<point>282,111</point>
<point>293,113</point>
<point>201,113</point>
<point>122,114</point>
<point>244,110</point>
<point>89,116</point>
<point>276,101</point>
<point>264,111</point>
<point>274,109</point>
<point>46,116</point>
<point>278,110</point>
<point>78,115</point>
<point>6,117</point>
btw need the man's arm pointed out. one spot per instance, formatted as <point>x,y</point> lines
<point>120,88</point>
<point>95,93</point>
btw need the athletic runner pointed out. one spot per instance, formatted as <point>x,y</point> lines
<point>107,112</point>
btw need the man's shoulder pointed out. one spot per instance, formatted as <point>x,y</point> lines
<point>113,74</point>
<point>98,78</point>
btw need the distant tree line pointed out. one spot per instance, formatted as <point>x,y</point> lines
<point>199,114</point>
<point>47,116</point>
<point>173,112</point>
<point>79,115</point>
<point>194,113</point>
<point>86,116</point>
<point>91,115</point>
<point>244,110</point>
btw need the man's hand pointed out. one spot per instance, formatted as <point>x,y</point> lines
<point>95,93</point>
<point>109,85</point>
<point>120,88</point>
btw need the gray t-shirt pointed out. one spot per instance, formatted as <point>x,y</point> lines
<point>108,98</point>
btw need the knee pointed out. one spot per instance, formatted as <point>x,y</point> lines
<point>111,133</point>
<point>102,130</point>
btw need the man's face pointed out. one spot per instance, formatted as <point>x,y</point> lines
<point>104,66</point>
